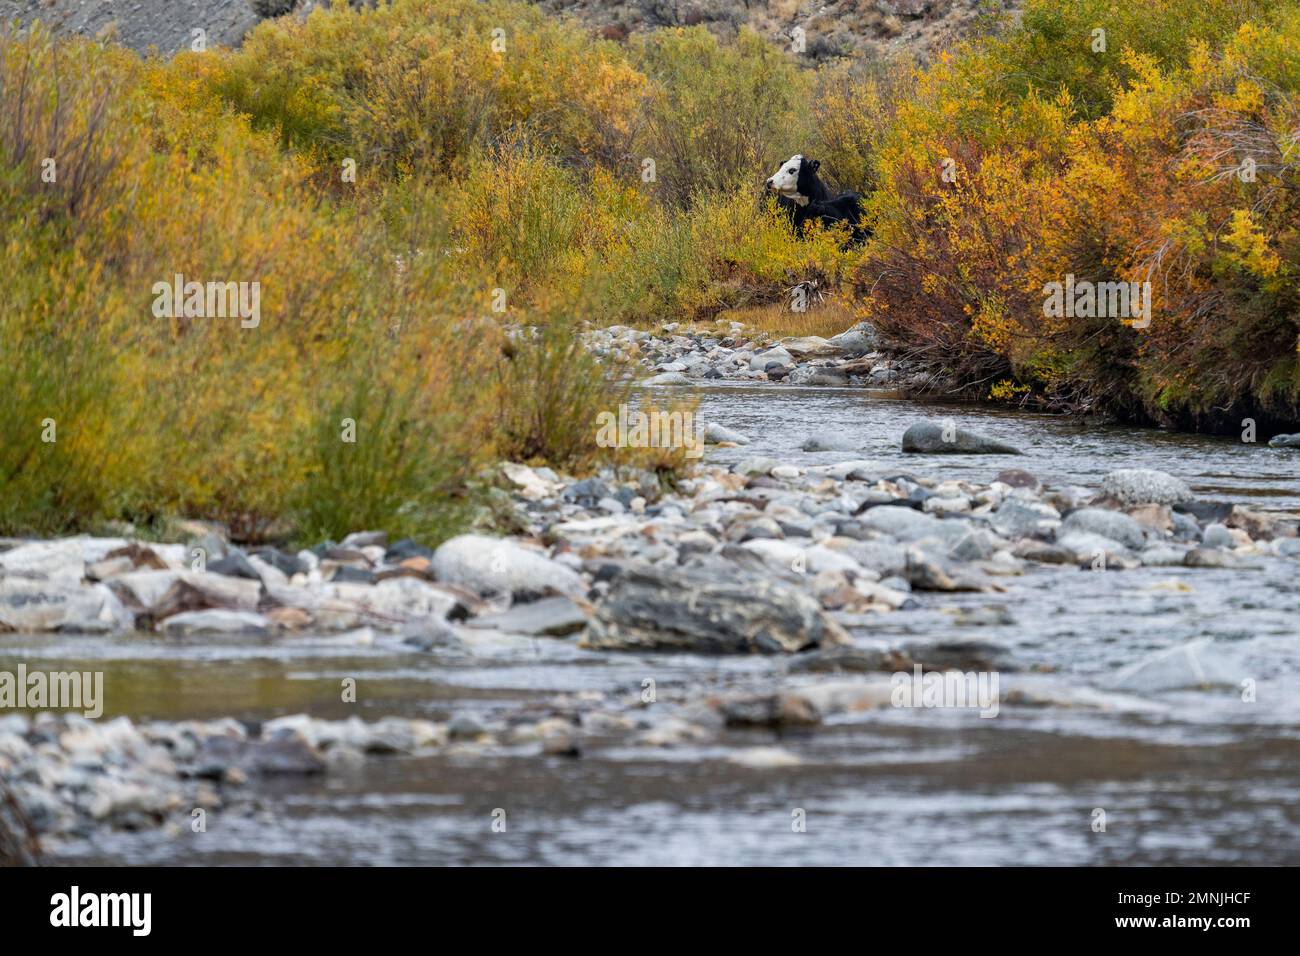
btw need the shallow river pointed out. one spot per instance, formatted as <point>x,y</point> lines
<point>1191,777</point>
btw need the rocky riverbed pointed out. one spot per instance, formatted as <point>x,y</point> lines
<point>749,623</point>
<point>680,355</point>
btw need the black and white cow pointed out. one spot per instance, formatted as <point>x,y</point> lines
<point>803,196</point>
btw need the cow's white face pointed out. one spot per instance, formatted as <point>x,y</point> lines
<point>786,179</point>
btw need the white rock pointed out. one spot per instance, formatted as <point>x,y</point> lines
<point>485,564</point>
<point>714,433</point>
<point>215,621</point>
<point>533,486</point>
<point>48,605</point>
<point>64,559</point>
<point>1136,486</point>
<point>147,588</point>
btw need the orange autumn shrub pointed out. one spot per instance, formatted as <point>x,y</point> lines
<point>1126,168</point>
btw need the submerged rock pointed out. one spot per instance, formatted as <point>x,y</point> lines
<point>826,441</point>
<point>715,433</point>
<point>933,438</point>
<point>1196,664</point>
<point>551,617</point>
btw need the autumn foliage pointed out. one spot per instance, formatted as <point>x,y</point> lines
<point>433,194</point>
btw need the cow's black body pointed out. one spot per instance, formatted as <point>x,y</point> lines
<point>811,199</point>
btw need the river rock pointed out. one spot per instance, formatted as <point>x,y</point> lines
<point>1019,478</point>
<point>215,621</point>
<point>160,594</point>
<point>60,605</point>
<point>929,438</point>
<point>860,657</point>
<point>958,653</point>
<point>708,609</point>
<point>1095,550</point>
<point>430,634</point>
<point>1161,556</point>
<point>761,360</point>
<point>927,573</point>
<point>1256,525</point>
<point>234,565</point>
<point>883,556</point>
<point>1140,486</point>
<point>549,617</point>
<point>285,754</point>
<point>390,602</point>
<point>498,565</point>
<point>1196,664</point>
<point>744,709</point>
<point>1213,558</point>
<point>1018,518</point>
<point>667,378</point>
<point>811,347</point>
<point>753,467</point>
<point>828,698</point>
<point>1109,524</point>
<point>1206,512</point>
<point>826,441</point>
<point>1042,552</point>
<point>64,559</point>
<point>815,375</point>
<point>908,525</point>
<point>976,544</point>
<point>1156,517</point>
<point>1218,536</point>
<point>715,433</point>
<point>1285,441</point>
<point>858,340</point>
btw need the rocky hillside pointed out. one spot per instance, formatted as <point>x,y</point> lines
<point>834,28</point>
<point>140,24</point>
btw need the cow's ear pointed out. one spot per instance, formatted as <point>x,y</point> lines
<point>814,164</point>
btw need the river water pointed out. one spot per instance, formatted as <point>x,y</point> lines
<point>1188,777</point>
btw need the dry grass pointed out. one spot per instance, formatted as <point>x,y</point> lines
<point>825,318</point>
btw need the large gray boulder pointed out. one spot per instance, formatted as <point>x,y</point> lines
<point>817,375</point>
<point>1285,441</point>
<point>934,438</point>
<point>497,565</point>
<point>859,340</point>
<point>761,360</point>
<point>708,609</point>
<point>1140,486</point>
